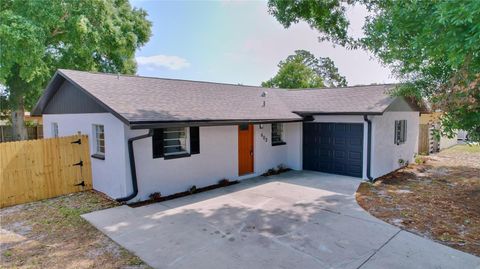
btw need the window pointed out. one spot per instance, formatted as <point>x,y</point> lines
<point>99,140</point>
<point>175,141</point>
<point>400,131</point>
<point>54,129</point>
<point>277,134</point>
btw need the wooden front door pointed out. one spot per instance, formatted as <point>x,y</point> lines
<point>245,149</point>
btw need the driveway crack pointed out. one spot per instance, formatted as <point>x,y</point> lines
<point>377,250</point>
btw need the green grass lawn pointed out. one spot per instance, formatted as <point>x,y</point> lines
<point>472,148</point>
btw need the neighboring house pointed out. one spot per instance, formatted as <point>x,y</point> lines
<point>179,133</point>
<point>429,122</point>
<point>33,120</point>
<point>462,135</point>
<point>34,128</point>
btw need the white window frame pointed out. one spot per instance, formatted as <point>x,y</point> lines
<point>281,127</point>
<point>185,141</point>
<point>54,129</point>
<point>400,135</point>
<point>97,148</point>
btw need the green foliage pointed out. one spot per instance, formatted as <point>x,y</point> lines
<point>304,70</point>
<point>420,159</point>
<point>41,36</point>
<point>433,47</point>
<point>327,16</point>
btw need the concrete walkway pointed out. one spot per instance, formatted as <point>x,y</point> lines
<point>293,220</point>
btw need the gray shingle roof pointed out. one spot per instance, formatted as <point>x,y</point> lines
<point>136,99</point>
<point>154,99</point>
<point>356,99</point>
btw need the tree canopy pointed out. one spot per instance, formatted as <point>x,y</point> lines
<point>38,37</point>
<point>304,70</point>
<point>432,47</point>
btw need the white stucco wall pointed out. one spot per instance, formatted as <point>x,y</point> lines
<point>268,156</point>
<point>294,139</point>
<point>218,159</point>
<point>108,175</point>
<point>385,153</point>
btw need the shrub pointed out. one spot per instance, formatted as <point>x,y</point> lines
<point>224,182</point>
<point>155,196</point>
<point>282,168</point>
<point>275,171</point>
<point>420,159</point>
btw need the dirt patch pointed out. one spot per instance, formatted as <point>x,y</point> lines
<point>439,199</point>
<point>51,234</point>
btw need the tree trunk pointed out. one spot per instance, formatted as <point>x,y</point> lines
<point>18,124</point>
<point>17,88</point>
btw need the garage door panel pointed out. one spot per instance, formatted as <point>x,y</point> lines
<point>340,140</point>
<point>356,141</point>
<point>339,129</point>
<point>340,155</point>
<point>352,155</point>
<point>338,168</point>
<point>356,128</point>
<point>354,170</point>
<point>324,140</point>
<point>333,148</point>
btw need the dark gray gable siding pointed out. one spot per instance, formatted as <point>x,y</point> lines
<point>70,100</point>
<point>400,104</point>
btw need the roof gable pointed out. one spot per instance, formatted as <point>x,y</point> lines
<point>401,104</point>
<point>69,99</point>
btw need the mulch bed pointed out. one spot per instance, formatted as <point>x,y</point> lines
<point>439,199</point>
<point>156,198</point>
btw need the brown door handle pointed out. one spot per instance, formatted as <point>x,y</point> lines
<point>251,153</point>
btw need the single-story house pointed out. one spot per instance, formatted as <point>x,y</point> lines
<point>165,135</point>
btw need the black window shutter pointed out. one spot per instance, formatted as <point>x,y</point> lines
<point>157,143</point>
<point>194,140</point>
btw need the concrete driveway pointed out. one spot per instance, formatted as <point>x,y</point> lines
<point>293,220</point>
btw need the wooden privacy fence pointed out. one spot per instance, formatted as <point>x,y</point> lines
<point>424,139</point>
<point>33,132</point>
<point>38,169</point>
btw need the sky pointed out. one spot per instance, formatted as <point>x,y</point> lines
<point>240,42</point>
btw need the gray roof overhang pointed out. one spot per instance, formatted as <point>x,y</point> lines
<point>167,124</point>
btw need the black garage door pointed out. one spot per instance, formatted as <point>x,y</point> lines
<point>333,148</point>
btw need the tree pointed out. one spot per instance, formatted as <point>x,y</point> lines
<point>39,37</point>
<point>433,47</point>
<point>303,70</point>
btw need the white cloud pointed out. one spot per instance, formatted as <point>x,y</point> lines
<point>160,61</point>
